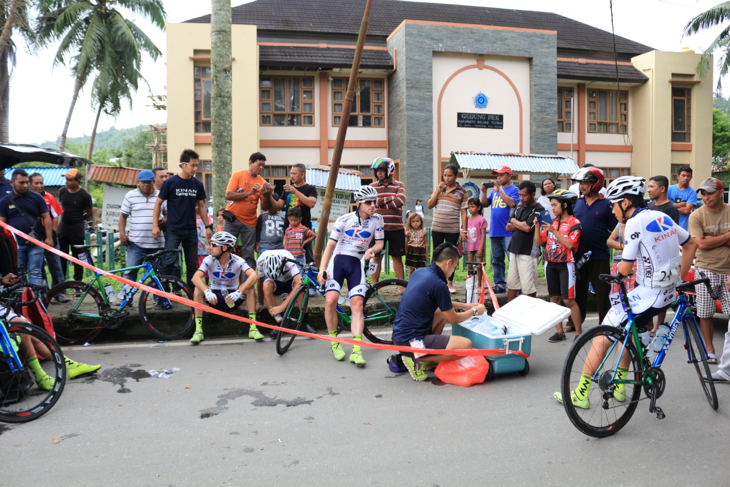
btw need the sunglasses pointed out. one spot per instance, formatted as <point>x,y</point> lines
<point>213,245</point>
<point>368,202</point>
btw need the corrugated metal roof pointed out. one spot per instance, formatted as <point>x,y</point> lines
<point>520,163</point>
<point>347,180</point>
<point>52,176</point>
<point>115,175</point>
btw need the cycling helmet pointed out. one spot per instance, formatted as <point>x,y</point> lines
<point>591,174</point>
<point>224,238</point>
<point>564,195</point>
<point>624,186</point>
<point>273,265</point>
<point>366,193</point>
<point>384,163</point>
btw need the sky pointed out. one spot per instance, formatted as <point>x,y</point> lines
<point>40,93</point>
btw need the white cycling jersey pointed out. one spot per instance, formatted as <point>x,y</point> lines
<point>353,235</point>
<point>290,269</point>
<point>224,279</point>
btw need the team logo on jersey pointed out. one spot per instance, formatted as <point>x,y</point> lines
<point>358,233</point>
<point>224,275</point>
<point>661,224</point>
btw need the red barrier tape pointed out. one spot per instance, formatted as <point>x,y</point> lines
<point>207,309</point>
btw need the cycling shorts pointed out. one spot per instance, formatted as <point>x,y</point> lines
<point>645,302</point>
<point>343,267</point>
<point>12,315</point>
<point>221,300</point>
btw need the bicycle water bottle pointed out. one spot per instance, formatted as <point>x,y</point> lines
<point>645,340</point>
<point>109,290</point>
<point>660,338</point>
<point>584,258</point>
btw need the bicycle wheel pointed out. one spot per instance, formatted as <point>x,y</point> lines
<point>75,321</point>
<point>380,307</point>
<point>21,400</point>
<point>696,355</point>
<point>605,414</point>
<point>167,319</point>
<point>293,320</point>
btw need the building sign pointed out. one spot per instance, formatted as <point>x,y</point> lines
<point>340,204</point>
<point>112,206</point>
<point>479,120</point>
<point>481,100</point>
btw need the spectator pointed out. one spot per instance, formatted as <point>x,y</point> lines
<point>419,208</point>
<point>297,236</point>
<point>617,241</point>
<point>270,227</point>
<point>185,195</point>
<point>546,189</point>
<point>523,253</point>
<point>416,243</point>
<point>476,233</point>
<point>683,197</point>
<point>77,209</point>
<point>203,243</point>
<point>391,198</point>
<point>26,211</point>
<point>54,210</point>
<point>219,219</point>
<point>5,186</point>
<point>657,191</point>
<point>574,188</point>
<point>502,200</point>
<point>709,226</point>
<point>449,217</point>
<point>160,176</point>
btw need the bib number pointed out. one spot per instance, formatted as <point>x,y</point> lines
<point>371,269</point>
<point>615,300</point>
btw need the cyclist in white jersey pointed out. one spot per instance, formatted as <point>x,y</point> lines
<point>349,243</point>
<point>224,269</point>
<point>652,239</point>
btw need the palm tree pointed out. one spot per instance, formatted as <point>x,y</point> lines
<point>715,16</point>
<point>91,31</point>
<point>221,111</point>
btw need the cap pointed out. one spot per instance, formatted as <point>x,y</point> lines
<point>72,173</point>
<point>145,176</point>
<point>710,185</point>
<point>502,170</point>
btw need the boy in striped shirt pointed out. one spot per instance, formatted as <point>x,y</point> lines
<point>391,199</point>
<point>297,235</point>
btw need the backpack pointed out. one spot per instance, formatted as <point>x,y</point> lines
<point>37,313</point>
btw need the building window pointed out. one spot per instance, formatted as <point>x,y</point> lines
<point>565,109</point>
<point>608,111</point>
<point>286,101</point>
<point>277,176</point>
<point>612,173</point>
<point>674,179</point>
<point>205,174</point>
<point>368,107</point>
<point>202,91</point>
<point>681,109</point>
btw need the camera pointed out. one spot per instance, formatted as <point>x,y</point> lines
<point>488,184</point>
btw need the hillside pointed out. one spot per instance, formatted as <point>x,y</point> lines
<point>108,139</point>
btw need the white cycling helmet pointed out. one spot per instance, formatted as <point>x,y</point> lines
<point>273,265</point>
<point>366,193</point>
<point>224,238</point>
<point>625,186</point>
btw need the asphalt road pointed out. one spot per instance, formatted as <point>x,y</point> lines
<point>238,414</point>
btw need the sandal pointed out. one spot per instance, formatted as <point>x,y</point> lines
<point>711,359</point>
<point>569,328</point>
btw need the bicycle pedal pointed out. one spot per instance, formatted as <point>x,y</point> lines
<point>659,413</point>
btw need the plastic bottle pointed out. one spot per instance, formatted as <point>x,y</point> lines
<point>584,258</point>
<point>645,340</point>
<point>109,290</point>
<point>278,318</point>
<point>660,338</point>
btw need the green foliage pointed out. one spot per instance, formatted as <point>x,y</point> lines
<point>721,104</point>
<point>720,138</point>
<point>717,15</point>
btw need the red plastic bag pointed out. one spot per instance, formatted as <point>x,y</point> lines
<point>464,372</point>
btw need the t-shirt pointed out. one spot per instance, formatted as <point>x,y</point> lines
<point>391,198</point>
<point>501,211</point>
<point>74,207</point>
<point>227,278</point>
<point>555,251</point>
<point>667,208</point>
<point>706,223</point>
<point>270,230</point>
<point>33,207</point>
<point>291,200</point>
<point>426,292</point>
<point>475,234</point>
<point>598,222</point>
<point>353,235</point>
<point>620,238</point>
<point>447,212</point>
<point>523,243</point>
<point>139,209</point>
<point>687,195</point>
<point>290,269</point>
<point>182,196</point>
<point>245,209</point>
<point>416,238</point>
<point>293,238</point>
<point>54,207</point>
<point>5,188</point>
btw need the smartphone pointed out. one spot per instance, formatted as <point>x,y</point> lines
<point>488,184</point>
<point>543,217</point>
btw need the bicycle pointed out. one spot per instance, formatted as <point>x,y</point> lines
<point>607,412</point>
<point>21,400</point>
<point>379,315</point>
<point>78,321</point>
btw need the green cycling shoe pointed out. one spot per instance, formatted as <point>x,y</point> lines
<point>579,403</point>
<point>75,369</point>
<point>337,351</point>
<point>197,337</point>
<point>46,383</point>
<point>255,334</point>
<point>357,358</point>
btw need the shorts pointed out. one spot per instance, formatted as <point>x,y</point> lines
<point>561,277</point>
<point>522,273</point>
<point>12,315</point>
<point>343,267</point>
<point>705,305</point>
<point>221,304</point>
<point>281,287</point>
<point>645,302</point>
<point>435,342</point>
<point>396,240</point>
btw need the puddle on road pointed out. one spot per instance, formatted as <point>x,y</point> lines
<point>119,375</point>
<point>260,399</point>
<point>208,415</point>
<point>4,428</point>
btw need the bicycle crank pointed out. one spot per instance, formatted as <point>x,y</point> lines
<point>113,318</point>
<point>654,383</point>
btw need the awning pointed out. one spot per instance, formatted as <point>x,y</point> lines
<point>52,176</point>
<point>123,176</point>
<point>12,154</point>
<point>347,180</point>
<point>520,163</point>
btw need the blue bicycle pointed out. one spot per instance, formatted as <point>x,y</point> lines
<point>627,368</point>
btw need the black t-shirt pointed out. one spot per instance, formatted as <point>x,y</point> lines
<point>74,207</point>
<point>182,196</point>
<point>667,208</point>
<point>291,200</point>
<point>522,242</point>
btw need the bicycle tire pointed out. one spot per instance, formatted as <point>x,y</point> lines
<point>293,320</point>
<point>381,330</point>
<point>597,421</point>
<point>23,400</point>
<point>696,356</point>
<point>72,329</point>
<point>170,327</point>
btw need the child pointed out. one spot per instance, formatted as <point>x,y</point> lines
<point>297,235</point>
<point>270,227</point>
<point>419,207</point>
<point>416,243</point>
<point>475,234</point>
<point>219,218</point>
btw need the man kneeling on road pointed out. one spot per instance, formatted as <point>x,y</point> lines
<point>424,310</point>
<point>224,268</point>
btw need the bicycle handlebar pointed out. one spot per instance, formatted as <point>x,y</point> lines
<point>159,253</point>
<point>690,286</point>
<point>306,267</point>
<point>11,294</point>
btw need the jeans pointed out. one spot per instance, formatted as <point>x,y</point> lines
<point>499,251</point>
<point>135,256</point>
<point>54,267</point>
<point>188,237</point>
<point>65,244</point>
<point>248,239</point>
<point>176,263</point>
<point>30,258</point>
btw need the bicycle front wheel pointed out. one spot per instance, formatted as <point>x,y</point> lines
<point>21,399</point>
<point>293,320</point>
<point>75,320</point>
<point>609,405</point>
<point>380,306</point>
<point>696,355</point>
<point>167,319</point>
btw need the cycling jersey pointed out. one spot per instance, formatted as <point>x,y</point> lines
<point>11,315</point>
<point>224,279</point>
<point>353,235</point>
<point>554,250</point>
<point>290,270</point>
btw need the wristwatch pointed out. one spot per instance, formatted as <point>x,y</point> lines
<point>475,311</point>
<point>209,226</point>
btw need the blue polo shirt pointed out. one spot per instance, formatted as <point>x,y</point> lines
<point>598,222</point>
<point>501,210</point>
<point>426,292</point>
<point>687,195</point>
<point>5,188</point>
<point>33,206</point>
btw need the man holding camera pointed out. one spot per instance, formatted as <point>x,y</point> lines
<point>501,201</point>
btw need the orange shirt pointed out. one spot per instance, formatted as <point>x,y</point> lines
<point>245,209</point>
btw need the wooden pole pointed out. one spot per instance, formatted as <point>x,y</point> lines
<point>341,134</point>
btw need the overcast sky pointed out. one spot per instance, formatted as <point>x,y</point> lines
<point>40,93</point>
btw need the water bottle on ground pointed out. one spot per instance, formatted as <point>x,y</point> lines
<point>109,290</point>
<point>660,338</point>
<point>584,258</point>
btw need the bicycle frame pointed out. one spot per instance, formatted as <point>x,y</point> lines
<point>8,349</point>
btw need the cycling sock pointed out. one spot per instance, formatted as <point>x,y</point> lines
<point>583,387</point>
<point>333,334</point>
<point>621,374</point>
<point>199,323</point>
<point>252,316</point>
<point>357,338</point>
<point>35,366</point>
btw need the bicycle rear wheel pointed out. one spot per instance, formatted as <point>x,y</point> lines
<point>69,320</point>
<point>293,320</point>
<point>605,414</point>
<point>696,355</point>
<point>167,319</point>
<point>21,400</point>
<point>380,308</point>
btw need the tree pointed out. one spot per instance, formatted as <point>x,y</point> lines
<point>220,99</point>
<point>720,140</point>
<point>710,18</point>
<point>14,16</point>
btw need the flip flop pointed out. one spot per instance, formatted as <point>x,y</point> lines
<point>711,359</point>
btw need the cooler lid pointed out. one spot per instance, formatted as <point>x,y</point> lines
<point>533,315</point>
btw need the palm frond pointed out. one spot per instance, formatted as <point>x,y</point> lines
<point>707,19</point>
<point>151,9</point>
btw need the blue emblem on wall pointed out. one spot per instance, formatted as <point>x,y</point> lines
<point>481,100</point>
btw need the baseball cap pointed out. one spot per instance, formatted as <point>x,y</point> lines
<point>145,176</point>
<point>710,185</point>
<point>72,173</point>
<point>502,170</point>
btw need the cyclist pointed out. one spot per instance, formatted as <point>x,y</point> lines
<point>224,268</point>
<point>652,239</point>
<point>349,240</point>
